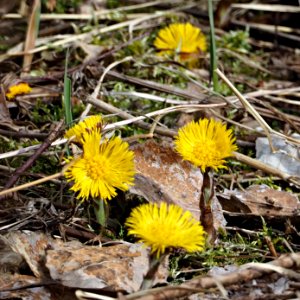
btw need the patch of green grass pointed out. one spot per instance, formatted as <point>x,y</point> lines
<point>236,41</point>
<point>137,48</point>
<point>112,4</point>
<point>42,113</point>
<point>7,144</point>
<point>267,181</point>
<point>232,249</point>
<point>3,47</point>
<point>47,165</point>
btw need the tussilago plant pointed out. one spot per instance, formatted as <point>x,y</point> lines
<point>182,40</point>
<point>206,144</point>
<point>89,124</point>
<point>18,89</point>
<point>164,228</point>
<point>104,166</point>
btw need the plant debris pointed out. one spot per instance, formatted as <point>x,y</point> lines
<point>147,70</point>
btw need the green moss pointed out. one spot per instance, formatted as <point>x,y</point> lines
<point>236,41</point>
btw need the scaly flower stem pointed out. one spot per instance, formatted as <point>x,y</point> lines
<point>206,195</point>
<point>153,267</point>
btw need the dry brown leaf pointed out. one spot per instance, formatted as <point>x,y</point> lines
<point>9,260</point>
<point>6,81</point>
<point>15,282</point>
<point>4,112</point>
<point>162,175</point>
<point>91,51</point>
<point>32,246</point>
<point>118,267</point>
<point>261,200</point>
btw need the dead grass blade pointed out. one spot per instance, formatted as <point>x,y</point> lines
<point>31,35</point>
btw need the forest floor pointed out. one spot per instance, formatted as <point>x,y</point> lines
<point>82,58</point>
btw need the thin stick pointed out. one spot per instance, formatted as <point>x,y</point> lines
<point>34,157</point>
<point>268,130</point>
<point>267,7</point>
<point>248,107</point>
<point>98,87</point>
<point>31,35</point>
<point>130,120</point>
<point>29,184</point>
<point>266,168</point>
<point>202,284</point>
<point>84,36</point>
<point>95,14</point>
<point>30,148</point>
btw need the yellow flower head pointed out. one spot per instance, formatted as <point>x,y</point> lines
<point>205,143</point>
<point>87,125</point>
<point>102,168</point>
<point>19,89</point>
<point>181,38</point>
<point>164,227</point>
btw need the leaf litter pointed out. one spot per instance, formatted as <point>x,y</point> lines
<point>51,246</point>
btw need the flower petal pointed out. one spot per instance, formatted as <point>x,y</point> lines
<point>165,226</point>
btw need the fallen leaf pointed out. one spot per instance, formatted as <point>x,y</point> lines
<point>4,112</point>
<point>162,175</point>
<point>11,287</point>
<point>32,246</point>
<point>91,51</point>
<point>9,260</point>
<point>118,267</point>
<point>260,200</point>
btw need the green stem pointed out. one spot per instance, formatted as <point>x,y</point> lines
<point>66,99</point>
<point>67,93</point>
<point>101,212</point>
<point>213,48</point>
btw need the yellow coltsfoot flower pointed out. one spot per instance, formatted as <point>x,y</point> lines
<point>87,125</point>
<point>205,143</point>
<point>183,39</point>
<point>103,167</point>
<point>18,89</point>
<point>165,227</point>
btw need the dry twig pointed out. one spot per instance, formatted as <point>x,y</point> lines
<point>202,284</point>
